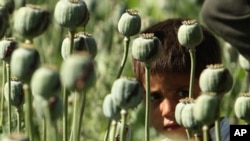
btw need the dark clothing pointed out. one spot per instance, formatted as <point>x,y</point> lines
<point>230,19</point>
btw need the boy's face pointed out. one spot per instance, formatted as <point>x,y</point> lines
<point>165,91</point>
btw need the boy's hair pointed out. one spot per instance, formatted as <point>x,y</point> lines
<point>176,58</point>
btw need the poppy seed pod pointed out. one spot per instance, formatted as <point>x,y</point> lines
<point>31,21</point>
<point>81,74</point>
<point>24,61</point>
<point>16,93</point>
<point>190,34</point>
<point>54,104</point>
<point>9,4</point>
<point>82,42</point>
<point>129,23</point>
<point>216,78</point>
<point>110,109</point>
<point>71,13</point>
<point>187,119</point>
<point>146,48</point>
<point>178,110</point>
<point>127,93</point>
<point>244,63</point>
<point>3,20</point>
<point>206,109</point>
<point>242,107</point>
<point>45,82</point>
<point>7,46</point>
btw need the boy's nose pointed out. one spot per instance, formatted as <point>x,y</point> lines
<point>167,108</point>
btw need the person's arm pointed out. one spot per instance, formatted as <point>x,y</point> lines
<point>230,19</point>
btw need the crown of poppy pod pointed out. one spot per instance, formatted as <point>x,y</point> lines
<point>190,34</point>
<point>129,23</point>
<point>45,82</point>
<point>216,78</point>
<point>146,48</point>
<point>7,46</point>
<point>242,107</point>
<point>24,61</point>
<point>110,108</point>
<point>82,42</point>
<point>31,21</point>
<point>16,93</point>
<point>126,92</point>
<point>81,74</point>
<point>206,109</point>
<point>71,13</point>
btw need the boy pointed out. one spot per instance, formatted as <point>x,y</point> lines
<point>170,75</point>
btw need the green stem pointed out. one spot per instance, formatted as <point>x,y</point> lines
<point>123,124</point>
<point>71,36</point>
<point>217,129</point>
<point>82,108</point>
<point>65,114</point>
<point>188,132</point>
<point>192,73</point>
<point>74,131</point>
<point>205,133</point>
<point>44,130</point>
<point>2,95</point>
<point>107,130</point>
<point>147,81</point>
<point>18,113</point>
<point>51,133</point>
<point>125,56</point>
<point>9,95</point>
<point>113,131</point>
<point>28,112</point>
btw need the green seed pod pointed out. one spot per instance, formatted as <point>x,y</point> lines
<point>110,109</point>
<point>146,48</point>
<point>4,17</point>
<point>16,93</point>
<point>7,46</point>
<point>31,21</point>
<point>206,109</point>
<point>54,104</point>
<point>71,13</point>
<point>9,4</point>
<point>178,110</point>
<point>216,78</point>
<point>127,93</point>
<point>130,23</point>
<point>242,107</point>
<point>24,61</point>
<point>244,63</point>
<point>45,82</point>
<point>187,119</point>
<point>81,74</point>
<point>15,137</point>
<point>82,42</point>
<point>190,34</point>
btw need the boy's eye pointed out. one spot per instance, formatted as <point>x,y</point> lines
<point>182,94</point>
<point>155,96</point>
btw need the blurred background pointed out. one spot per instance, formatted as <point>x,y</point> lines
<point>104,16</point>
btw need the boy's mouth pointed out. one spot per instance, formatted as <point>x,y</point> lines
<point>170,125</point>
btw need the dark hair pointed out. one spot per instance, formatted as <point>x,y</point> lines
<point>176,58</point>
